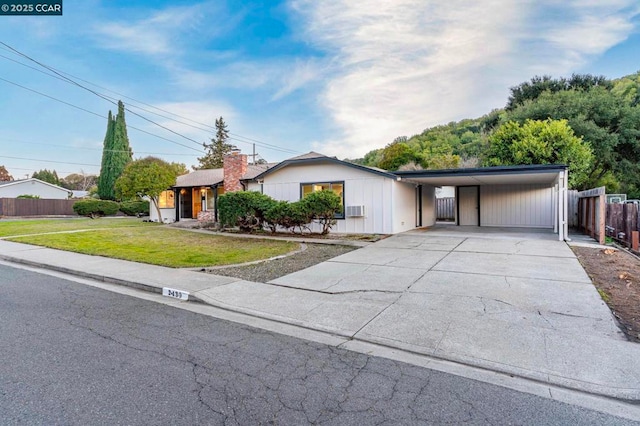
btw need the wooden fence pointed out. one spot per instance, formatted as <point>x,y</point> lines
<point>36,207</point>
<point>445,209</point>
<point>623,223</point>
<point>591,213</point>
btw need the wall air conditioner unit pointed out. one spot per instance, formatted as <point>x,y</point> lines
<point>355,211</point>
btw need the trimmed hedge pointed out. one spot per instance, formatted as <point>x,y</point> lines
<point>252,211</point>
<point>323,206</point>
<point>288,215</point>
<point>135,208</point>
<point>245,209</point>
<point>96,208</point>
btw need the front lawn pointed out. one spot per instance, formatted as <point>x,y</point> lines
<point>40,226</point>
<point>157,245</point>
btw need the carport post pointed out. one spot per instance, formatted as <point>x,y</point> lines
<point>563,206</point>
<point>562,191</point>
<point>556,199</point>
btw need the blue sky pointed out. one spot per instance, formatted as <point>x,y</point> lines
<point>340,77</point>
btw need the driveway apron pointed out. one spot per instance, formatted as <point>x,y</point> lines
<point>516,305</point>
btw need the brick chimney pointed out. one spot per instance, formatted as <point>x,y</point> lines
<point>235,167</point>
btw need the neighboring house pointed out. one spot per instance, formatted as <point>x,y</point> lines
<point>79,194</point>
<point>446,192</point>
<point>34,187</point>
<point>382,202</point>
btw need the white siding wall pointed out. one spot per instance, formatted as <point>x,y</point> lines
<point>404,207</point>
<point>428,205</point>
<point>168,215</point>
<point>33,187</point>
<point>372,191</point>
<point>516,205</point>
<point>254,186</point>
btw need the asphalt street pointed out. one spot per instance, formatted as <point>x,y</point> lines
<point>74,354</point>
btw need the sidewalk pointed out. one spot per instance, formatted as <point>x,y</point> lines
<point>522,308</point>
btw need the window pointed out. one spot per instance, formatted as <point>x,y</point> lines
<point>210,199</point>
<point>336,187</point>
<point>166,200</point>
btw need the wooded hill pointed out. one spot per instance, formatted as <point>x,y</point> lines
<point>589,122</point>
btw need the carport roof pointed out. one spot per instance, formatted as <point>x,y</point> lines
<point>527,174</point>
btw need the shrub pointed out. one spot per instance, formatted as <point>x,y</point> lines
<point>245,209</point>
<point>323,206</point>
<point>135,208</point>
<point>28,197</point>
<point>287,215</point>
<point>96,208</point>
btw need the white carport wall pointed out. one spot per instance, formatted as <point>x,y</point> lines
<point>528,196</point>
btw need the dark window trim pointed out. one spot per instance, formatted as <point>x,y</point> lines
<point>338,216</point>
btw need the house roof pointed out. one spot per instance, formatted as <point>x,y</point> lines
<point>254,170</point>
<point>536,173</point>
<point>316,158</point>
<point>204,177</point>
<point>209,177</point>
<point>20,181</point>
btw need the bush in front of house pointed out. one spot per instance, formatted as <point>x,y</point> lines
<point>135,208</point>
<point>323,206</point>
<point>245,209</point>
<point>28,197</point>
<point>96,208</point>
<point>287,215</point>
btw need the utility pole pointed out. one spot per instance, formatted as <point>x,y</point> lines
<point>253,156</point>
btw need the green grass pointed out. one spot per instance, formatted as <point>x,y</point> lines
<point>163,246</point>
<point>605,297</point>
<point>38,226</point>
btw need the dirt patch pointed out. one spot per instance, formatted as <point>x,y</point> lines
<point>616,275</point>
<point>272,269</point>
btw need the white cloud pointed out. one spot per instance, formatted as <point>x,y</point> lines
<point>404,65</point>
<point>153,36</point>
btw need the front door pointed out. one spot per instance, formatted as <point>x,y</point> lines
<point>468,206</point>
<point>185,204</point>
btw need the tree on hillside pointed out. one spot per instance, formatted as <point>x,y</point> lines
<point>541,142</point>
<point>397,154</point>
<point>46,175</point>
<point>607,122</point>
<point>217,149</point>
<point>146,177</point>
<point>4,175</point>
<point>116,154</point>
<point>628,88</point>
<point>531,90</point>
<point>79,181</point>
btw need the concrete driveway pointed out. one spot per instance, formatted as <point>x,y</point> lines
<point>512,302</point>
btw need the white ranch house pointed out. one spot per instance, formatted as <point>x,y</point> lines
<point>380,202</point>
<point>34,187</point>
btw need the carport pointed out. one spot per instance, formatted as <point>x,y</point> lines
<point>527,196</point>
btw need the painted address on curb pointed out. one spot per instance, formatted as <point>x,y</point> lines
<point>172,292</point>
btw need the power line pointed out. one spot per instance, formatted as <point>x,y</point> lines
<point>63,76</point>
<point>92,149</point>
<point>96,93</point>
<point>22,168</point>
<point>49,161</point>
<point>96,114</point>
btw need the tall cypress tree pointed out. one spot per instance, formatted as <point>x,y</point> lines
<point>116,154</point>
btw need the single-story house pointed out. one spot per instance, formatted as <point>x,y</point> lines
<point>383,202</point>
<point>34,187</point>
